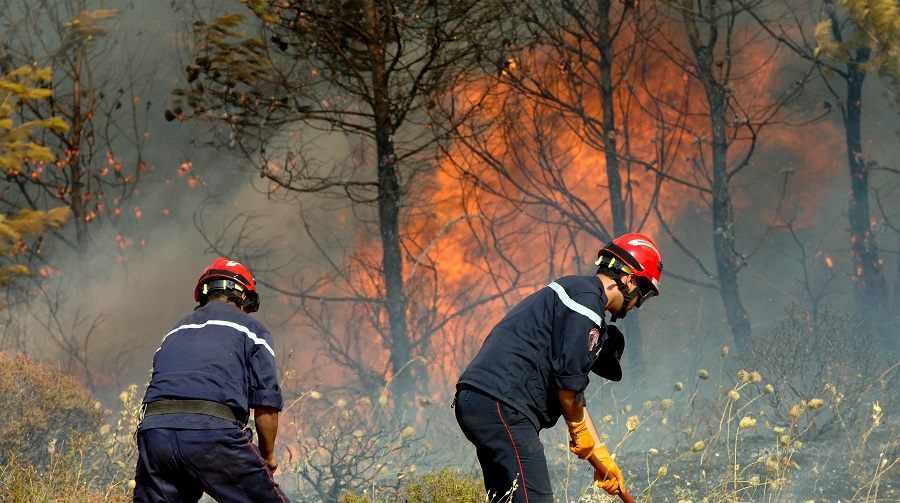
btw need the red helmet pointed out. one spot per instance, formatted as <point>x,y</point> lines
<point>640,253</point>
<point>224,274</point>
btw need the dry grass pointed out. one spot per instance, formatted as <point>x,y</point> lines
<point>771,427</point>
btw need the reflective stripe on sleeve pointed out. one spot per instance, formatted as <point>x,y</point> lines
<point>574,306</point>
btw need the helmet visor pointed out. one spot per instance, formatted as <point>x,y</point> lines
<point>645,291</point>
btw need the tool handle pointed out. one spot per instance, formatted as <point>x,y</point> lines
<point>604,472</point>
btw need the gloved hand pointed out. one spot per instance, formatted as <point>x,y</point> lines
<point>582,443</point>
<point>616,481</point>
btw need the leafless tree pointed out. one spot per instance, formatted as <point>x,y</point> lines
<point>714,44</point>
<point>362,76</point>
<point>574,70</point>
<point>845,52</point>
<point>99,88</point>
<point>342,445</point>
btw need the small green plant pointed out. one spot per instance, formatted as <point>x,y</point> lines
<point>443,486</point>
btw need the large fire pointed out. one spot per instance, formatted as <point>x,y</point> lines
<point>523,161</point>
<point>523,194</point>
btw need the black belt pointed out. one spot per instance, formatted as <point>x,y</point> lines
<point>206,407</point>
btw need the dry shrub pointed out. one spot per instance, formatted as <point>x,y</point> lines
<point>40,407</point>
<point>61,480</point>
<point>349,445</point>
<point>823,355</point>
<point>54,445</point>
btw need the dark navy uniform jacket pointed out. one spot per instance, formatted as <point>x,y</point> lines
<point>544,344</point>
<point>217,353</point>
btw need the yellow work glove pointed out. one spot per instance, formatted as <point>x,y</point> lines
<point>616,481</point>
<point>582,443</point>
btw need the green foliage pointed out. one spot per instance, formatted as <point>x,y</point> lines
<point>444,486</point>
<point>878,22</point>
<point>875,27</point>
<point>229,57</point>
<point>85,25</point>
<point>41,411</point>
<point>20,85</point>
<point>12,227</point>
<point>24,84</point>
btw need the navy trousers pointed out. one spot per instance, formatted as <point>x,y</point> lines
<point>176,466</point>
<point>508,446</point>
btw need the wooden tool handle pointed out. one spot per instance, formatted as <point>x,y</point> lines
<point>604,472</point>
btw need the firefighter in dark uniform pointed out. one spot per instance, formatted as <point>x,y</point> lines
<point>211,369</point>
<point>533,367</point>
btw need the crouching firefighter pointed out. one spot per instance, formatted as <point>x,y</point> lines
<point>211,369</point>
<point>534,367</point>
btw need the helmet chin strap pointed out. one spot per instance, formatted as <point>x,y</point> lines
<point>627,297</point>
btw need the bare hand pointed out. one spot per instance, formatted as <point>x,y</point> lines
<point>271,462</point>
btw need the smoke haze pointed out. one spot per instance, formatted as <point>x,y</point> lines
<point>137,292</point>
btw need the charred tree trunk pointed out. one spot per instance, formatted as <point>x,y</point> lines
<point>614,177</point>
<point>76,172</point>
<point>389,197</point>
<point>728,261</point>
<point>869,282</point>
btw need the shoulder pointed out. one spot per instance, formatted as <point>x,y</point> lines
<point>583,295</point>
<point>575,286</point>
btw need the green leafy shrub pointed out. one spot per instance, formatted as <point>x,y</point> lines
<point>443,486</point>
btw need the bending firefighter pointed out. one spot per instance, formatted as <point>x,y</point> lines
<point>211,369</point>
<point>534,367</point>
